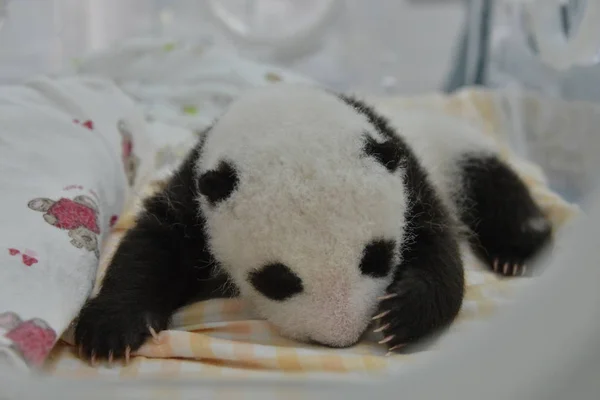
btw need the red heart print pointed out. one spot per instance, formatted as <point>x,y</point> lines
<point>13,252</point>
<point>28,260</point>
<point>113,220</point>
<point>88,124</point>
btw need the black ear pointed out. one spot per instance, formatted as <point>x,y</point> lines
<point>218,184</point>
<point>386,153</point>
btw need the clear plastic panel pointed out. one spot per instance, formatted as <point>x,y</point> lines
<point>327,40</point>
<point>550,109</point>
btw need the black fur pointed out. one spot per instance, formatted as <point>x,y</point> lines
<point>380,123</point>
<point>497,207</point>
<point>218,184</point>
<point>276,282</point>
<point>429,282</point>
<point>386,153</point>
<point>161,264</point>
<point>377,258</point>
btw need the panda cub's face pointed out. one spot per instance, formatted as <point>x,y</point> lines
<point>303,210</point>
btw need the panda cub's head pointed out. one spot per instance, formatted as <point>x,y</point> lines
<point>304,206</point>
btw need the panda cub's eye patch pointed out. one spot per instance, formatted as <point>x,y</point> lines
<point>276,281</point>
<point>377,258</point>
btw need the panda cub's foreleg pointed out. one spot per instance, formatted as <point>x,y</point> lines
<point>428,287</point>
<point>160,264</point>
<point>507,228</point>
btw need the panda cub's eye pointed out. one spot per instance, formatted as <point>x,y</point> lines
<point>377,258</point>
<point>276,281</point>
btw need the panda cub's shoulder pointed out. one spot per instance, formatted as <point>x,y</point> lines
<point>442,145</point>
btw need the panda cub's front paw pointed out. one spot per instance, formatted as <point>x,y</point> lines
<point>397,321</point>
<point>109,329</point>
<point>415,308</point>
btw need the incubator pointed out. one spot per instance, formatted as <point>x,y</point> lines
<point>327,40</point>
<point>541,58</point>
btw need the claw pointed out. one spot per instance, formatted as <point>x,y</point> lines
<point>93,360</point>
<point>505,269</point>
<point>396,347</point>
<point>388,296</point>
<point>391,349</point>
<point>383,314</point>
<point>496,265</point>
<point>515,269</point>
<point>523,270</point>
<point>387,339</point>
<point>110,357</point>
<point>127,354</point>
<point>155,336</point>
<point>381,328</point>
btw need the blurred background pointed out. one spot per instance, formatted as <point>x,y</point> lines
<point>380,46</point>
<point>533,53</point>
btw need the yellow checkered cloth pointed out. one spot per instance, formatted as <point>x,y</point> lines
<point>222,339</point>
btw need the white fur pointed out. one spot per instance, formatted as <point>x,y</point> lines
<point>309,198</point>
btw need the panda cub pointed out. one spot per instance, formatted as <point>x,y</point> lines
<point>324,216</point>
